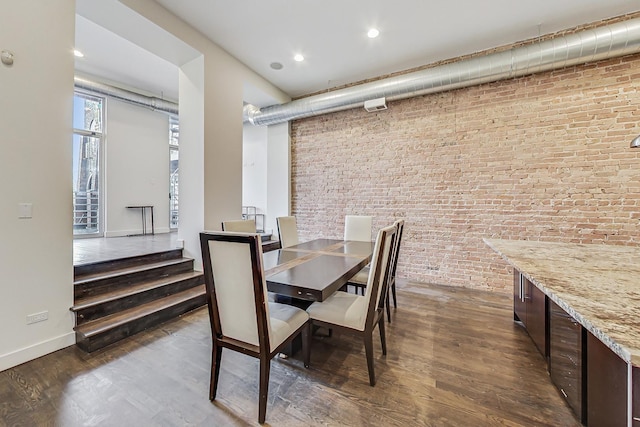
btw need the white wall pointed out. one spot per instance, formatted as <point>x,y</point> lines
<point>35,167</point>
<point>266,177</point>
<point>137,168</point>
<point>36,99</point>
<point>222,92</point>
<point>278,176</point>
<point>254,167</point>
<point>191,83</point>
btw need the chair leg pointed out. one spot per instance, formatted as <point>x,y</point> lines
<point>265,366</point>
<point>306,344</point>
<point>388,307</point>
<point>383,337</point>
<point>216,356</point>
<point>368,348</point>
<point>393,292</point>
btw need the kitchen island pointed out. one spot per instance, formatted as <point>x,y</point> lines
<point>598,287</point>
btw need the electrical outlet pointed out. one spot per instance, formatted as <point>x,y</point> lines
<point>37,317</point>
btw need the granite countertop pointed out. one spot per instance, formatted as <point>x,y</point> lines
<point>597,284</point>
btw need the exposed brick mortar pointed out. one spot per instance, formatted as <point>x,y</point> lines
<point>542,157</point>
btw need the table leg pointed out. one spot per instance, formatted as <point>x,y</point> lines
<point>143,215</point>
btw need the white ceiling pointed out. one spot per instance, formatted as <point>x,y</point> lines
<point>331,34</point>
<point>116,59</point>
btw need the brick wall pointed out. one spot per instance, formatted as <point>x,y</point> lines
<point>543,157</point>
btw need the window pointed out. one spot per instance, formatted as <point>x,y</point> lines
<point>174,135</point>
<point>88,119</point>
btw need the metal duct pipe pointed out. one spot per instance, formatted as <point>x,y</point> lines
<point>127,95</point>
<point>622,38</point>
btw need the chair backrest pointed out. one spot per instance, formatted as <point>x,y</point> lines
<point>240,226</point>
<point>396,250</point>
<point>378,271</point>
<point>287,230</point>
<point>236,288</point>
<point>358,228</point>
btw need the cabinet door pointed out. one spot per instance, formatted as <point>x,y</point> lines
<point>636,396</point>
<point>566,365</point>
<point>530,307</point>
<point>536,322</point>
<point>606,386</point>
<point>519,302</point>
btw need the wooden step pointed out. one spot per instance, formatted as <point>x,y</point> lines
<point>99,333</point>
<point>104,304</point>
<point>97,283</point>
<point>99,267</point>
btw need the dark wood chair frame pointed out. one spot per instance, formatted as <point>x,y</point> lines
<point>262,351</point>
<point>392,273</point>
<point>375,315</point>
<point>392,280</point>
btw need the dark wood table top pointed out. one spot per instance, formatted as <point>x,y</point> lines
<point>314,270</point>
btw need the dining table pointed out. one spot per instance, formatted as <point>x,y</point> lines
<point>313,270</point>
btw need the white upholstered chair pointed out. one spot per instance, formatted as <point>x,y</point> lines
<point>240,226</point>
<point>287,230</point>
<point>359,281</point>
<point>359,314</point>
<point>241,317</point>
<point>358,228</point>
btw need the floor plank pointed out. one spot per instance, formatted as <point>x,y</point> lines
<point>455,358</point>
<point>87,251</point>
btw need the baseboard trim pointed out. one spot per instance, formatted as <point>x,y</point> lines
<point>40,349</point>
<point>123,233</point>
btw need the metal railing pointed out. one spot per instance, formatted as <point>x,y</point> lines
<point>173,199</point>
<point>86,206</point>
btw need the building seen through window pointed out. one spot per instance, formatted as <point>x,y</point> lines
<point>88,114</point>
<point>174,136</point>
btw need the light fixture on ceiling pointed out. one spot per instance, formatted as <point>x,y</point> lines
<point>298,58</point>
<point>373,33</point>
<point>636,142</point>
<point>375,104</point>
<point>276,65</point>
<point>77,53</point>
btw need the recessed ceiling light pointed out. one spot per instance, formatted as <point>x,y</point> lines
<point>77,53</point>
<point>373,33</point>
<point>276,65</point>
<point>298,58</point>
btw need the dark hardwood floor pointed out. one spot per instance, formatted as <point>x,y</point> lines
<point>90,250</point>
<point>455,358</point>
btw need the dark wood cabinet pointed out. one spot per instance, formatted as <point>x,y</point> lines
<point>606,386</point>
<point>636,396</point>
<point>592,378</point>
<point>519,301</point>
<point>530,307</point>
<point>566,358</point>
<point>537,318</point>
